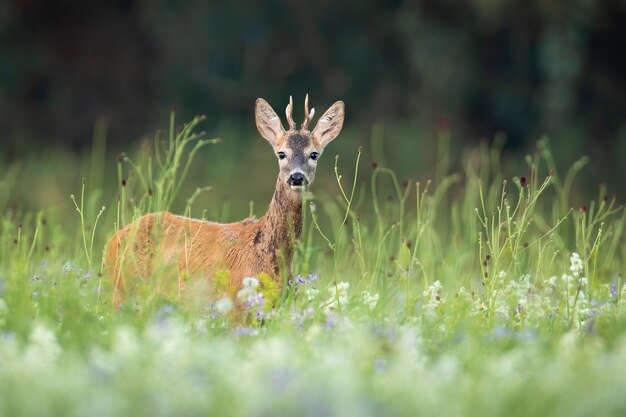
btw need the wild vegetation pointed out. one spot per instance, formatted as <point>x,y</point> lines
<point>479,292</point>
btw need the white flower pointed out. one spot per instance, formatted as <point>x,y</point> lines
<point>576,265</point>
<point>433,296</point>
<point>246,293</point>
<point>550,285</point>
<point>224,305</point>
<point>311,293</point>
<point>338,297</point>
<point>250,282</point>
<point>43,347</point>
<point>370,300</point>
<point>568,279</point>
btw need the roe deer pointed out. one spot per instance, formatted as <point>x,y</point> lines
<point>197,249</point>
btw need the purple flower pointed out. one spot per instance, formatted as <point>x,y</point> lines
<point>245,331</point>
<point>256,300</point>
<point>87,275</point>
<point>163,313</point>
<point>299,280</point>
<point>613,291</point>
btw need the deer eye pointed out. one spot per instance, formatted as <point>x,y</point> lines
<point>314,155</point>
<point>281,155</point>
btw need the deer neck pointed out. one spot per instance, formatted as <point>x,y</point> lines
<point>283,222</point>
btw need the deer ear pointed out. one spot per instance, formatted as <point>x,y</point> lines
<point>267,121</point>
<point>330,124</point>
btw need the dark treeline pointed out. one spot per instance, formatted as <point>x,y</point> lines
<point>524,68</point>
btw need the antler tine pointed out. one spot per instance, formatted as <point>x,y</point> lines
<point>307,115</point>
<point>289,113</point>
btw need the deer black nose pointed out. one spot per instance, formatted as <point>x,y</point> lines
<point>296,179</point>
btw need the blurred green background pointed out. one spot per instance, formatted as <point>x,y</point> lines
<point>406,70</point>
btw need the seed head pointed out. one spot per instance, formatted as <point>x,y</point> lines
<point>522,180</point>
<point>409,243</point>
<point>174,107</point>
<point>374,164</point>
<point>123,182</point>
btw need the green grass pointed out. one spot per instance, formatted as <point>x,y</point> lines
<point>476,293</point>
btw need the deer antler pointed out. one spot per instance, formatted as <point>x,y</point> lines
<point>307,115</point>
<point>289,113</point>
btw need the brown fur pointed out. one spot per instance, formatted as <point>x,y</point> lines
<point>182,251</point>
<point>201,248</point>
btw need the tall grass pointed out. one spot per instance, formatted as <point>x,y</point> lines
<point>477,292</point>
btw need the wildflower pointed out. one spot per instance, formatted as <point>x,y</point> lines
<point>338,298</point>
<point>255,300</point>
<point>163,313</point>
<point>613,291</point>
<point>224,305</point>
<point>246,331</point>
<point>245,293</point>
<point>433,297</point>
<point>550,284</point>
<point>330,321</point>
<point>370,300</point>
<point>87,275</point>
<point>250,282</point>
<point>67,267</point>
<point>576,265</point>
<point>311,293</point>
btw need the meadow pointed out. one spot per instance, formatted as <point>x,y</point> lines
<point>484,289</point>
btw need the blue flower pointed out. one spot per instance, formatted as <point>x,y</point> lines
<point>613,291</point>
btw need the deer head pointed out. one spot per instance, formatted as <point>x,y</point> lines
<point>298,150</point>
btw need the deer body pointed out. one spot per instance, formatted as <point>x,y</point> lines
<point>180,249</point>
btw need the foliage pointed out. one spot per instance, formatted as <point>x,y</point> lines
<point>477,293</point>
